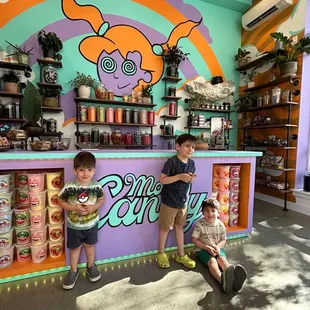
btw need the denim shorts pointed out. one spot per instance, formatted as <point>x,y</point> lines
<point>75,238</point>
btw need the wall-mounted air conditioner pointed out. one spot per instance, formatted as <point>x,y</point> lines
<point>262,11</point>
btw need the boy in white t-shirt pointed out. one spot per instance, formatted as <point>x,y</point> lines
<point>209,237</point>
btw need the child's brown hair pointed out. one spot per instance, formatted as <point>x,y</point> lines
<point>84,159</point>
<point>210,202</point>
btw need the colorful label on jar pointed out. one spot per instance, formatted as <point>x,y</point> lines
<point>56,250</point>
<point>22,197</point>
<point>5,260</point>
<point>23,237</point>
<point>24,254</point>
<point>56,182</point>
<point>56,233</point>
<point>4,185</point>
<point>20,219</point>
<point>36,219</point>
<point>23,180</point>
<point>235,172</point>
<point>4,203</point>
<point>4,223</point>
<point>4,242</point>
<point>33,183</point>
<point>37,236</point>
<point>41,254</point>
<point>54,199</point>
<point>35,202</point>
<point>234,197</point>
<point>56,216</point>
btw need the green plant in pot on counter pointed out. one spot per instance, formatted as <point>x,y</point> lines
<point>50,44</point>
<point>173,56</point>
<point>32,110</point>
<point>195,101</point>
<point>50,97</point>
<point>288,62</point>
<point>83,83</point>
<point>21,53</point>
<point>147,93</point>
<point>11,80</point>
<point>242,57</point>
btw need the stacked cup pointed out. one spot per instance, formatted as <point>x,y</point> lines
<point>54,182</point>
<point>234,195</point>
<point>6,231</point>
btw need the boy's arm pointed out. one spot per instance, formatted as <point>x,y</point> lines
<point>185,177</point>
<point>67,206</point>
<point>94,207</point>
<point>203,246</point>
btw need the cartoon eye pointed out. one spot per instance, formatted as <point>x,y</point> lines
<point>108,65</point>
<point>129,67</point>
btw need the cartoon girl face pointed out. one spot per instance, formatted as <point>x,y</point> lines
<point>120,74</point>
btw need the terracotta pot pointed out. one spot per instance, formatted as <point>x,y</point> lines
<point>11,87</point>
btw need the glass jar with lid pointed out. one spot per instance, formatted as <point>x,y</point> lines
<point>95,135</point>
<point>116,137</point>
<point>85,137</point>
<point>146,139</point>
<point>137,137</point>
<point>51,125</point>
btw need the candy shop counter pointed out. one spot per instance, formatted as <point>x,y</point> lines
<point>128,218</point>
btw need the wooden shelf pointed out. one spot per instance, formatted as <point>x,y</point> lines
<point>272,83</point>
<point>51,109</point>
<point>168,136</point>
<point>283,191</point>
<point>12,120</point>
<point>49,85</point>
<point>14,66</point>
<point>54,63</point>
<point>277,146</point>
<point>171,79</point>
<point>51,133</point>
<point>170,116</point>
<point>124,103</point>
<point>272,106</point>
<point>270,126</point>
<point>171,98</point>
<point>210,110</point>
<point>99,146</point>
<point>278,169</point>
<point>200,127</point>
<point>255,62</point>
<point>12,95</point>
<point>114,124</point>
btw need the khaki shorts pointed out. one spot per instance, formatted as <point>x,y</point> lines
<point>168,217</point>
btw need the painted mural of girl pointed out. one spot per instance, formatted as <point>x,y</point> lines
<point>123,55</point>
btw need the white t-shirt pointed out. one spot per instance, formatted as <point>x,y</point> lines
<point>209,234</point>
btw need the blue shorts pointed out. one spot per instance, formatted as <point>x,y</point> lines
<point>75,238</point>
<point>204,256</point>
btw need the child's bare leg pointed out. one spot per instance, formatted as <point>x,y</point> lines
<point>163,234</point>
<point>214,269</point>
<point>90,254</point>
<point>222,262</point>
<point>74,258</point>
<point>179,235</point>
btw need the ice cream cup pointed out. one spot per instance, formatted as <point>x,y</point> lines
<point>37,218</point>
<point>223,197</point>
<point>22,216</point>
<point>22,179</point>
<point>23,198</point>
<point>56,248</point>
<point>36,182</point>
<point>216,171</point>
<point>234,208</point>
<point>215,184</point>
<point>224,185</point>
<point>5,202</point>
<point>38,235</point>
<point>6,257</point>
<point>224,208</point>
<point>224,172</point>
<point>234,197</point>
<point>5,183</point>
<point>38,253</point>
<point>5,221</point>
<point>37,200</point>
<point>224,218</point>
<point>234,184</point>
<point>22,235</point>
<point>23,252</point>
<point>54,180</point>
<point>6,239</point>
<point>235,172</point>
<point>55,215</point>
<point>233,219</point>
<point>52,198</point>
<point>55,232</point>
<point>215,194</point>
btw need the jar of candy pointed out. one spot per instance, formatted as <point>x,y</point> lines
<point>100,91</point>
<point>82,113</point>
<point>100,114</point>
<point>91,114</point>
<point>118,115</point>
<point>172,108</point>
<point>135,118</point>
<point>128,138</point>
<point>150,117</point>
<point>143,117</point>
<point>287,95</point>
<point>94,135</point>
<point>109,114</point>
<point>84,137</point>
<point>137,137</point>
<point>110,94</point>
<point>172,91</point>
<point>105,138</point>
<point>146,139</point>
<point>116,137</point>
<point>127,116</point>
<point>266,100</point>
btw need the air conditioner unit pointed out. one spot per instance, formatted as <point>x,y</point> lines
<point>262,11</point>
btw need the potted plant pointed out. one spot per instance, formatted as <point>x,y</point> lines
<point>195,101</point>
<point>83,83</point>
<point>32,110</point>
<point>244,102</point>
<point>21,53</point>
<point>147,92</point>
<point>288,62</point>
<point>50,44</point>
<point>202,143</point>
<point>173,56</point>
<point>242,57</point>
<point>251,76</point>
<point>11,79</point>
<point>50,97</point>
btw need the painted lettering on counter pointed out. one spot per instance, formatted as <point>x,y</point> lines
<point>141,197</point>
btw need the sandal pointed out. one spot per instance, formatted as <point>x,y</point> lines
<point>186,261</point>
<point>163,261</point>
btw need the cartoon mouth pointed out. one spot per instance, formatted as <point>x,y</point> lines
<point>123,86</point>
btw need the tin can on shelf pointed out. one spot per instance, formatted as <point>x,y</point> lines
<point>82,113</point>
<point>105,138</point>
<point>143,117</point>
<point>127,116</point>
<point>109,114</point>
<point>146,139</point>
<point>172,91</point>
<point>94,135</point>
<point>172,108</point>
<point>128,138</point>
<point>135,116</point>
<point>150,117</point>
<point>84,137</point>
<point>118,115</point>
<point>91,113</point>
<point>100,114</point>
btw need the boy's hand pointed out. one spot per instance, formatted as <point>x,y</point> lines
<point>90,208</point>
<point>193,176</point>
<point>217,249</point>
<point>185,177</point>
<point>211,250</point>
<point>80,208</point>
